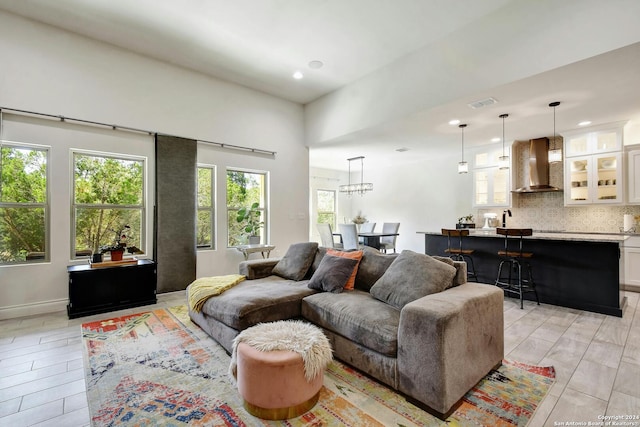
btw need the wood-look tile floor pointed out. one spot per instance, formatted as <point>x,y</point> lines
<point>596,357</point>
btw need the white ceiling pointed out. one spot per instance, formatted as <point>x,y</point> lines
<point>260,43</point>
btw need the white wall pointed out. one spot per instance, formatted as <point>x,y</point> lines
<point>421,196</point>
<point>51,71</point>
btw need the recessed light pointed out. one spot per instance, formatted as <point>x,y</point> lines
<point>454,122</point>
<point>585,123</point>
<point>402,150</point>
<point>298,75</point>
<point>495,139</point>
<point>315,64</point>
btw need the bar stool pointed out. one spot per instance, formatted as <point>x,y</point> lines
<point>460,254</point>
<point>516,259</point>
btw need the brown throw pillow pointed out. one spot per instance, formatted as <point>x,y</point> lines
<point>295,263</point>
<point>412,276</point>
<point>332,273</point>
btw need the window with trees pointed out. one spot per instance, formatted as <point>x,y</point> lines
<point>24,203</point>
<point>244,191</point>
<point>108,196</point>
<point>326,207</point>
<point>206,208</point>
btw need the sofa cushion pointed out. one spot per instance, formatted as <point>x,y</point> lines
<point>332,274</point>
<point>254,301</point>
<point>412,276</point>
<point>372,266</point>
<point>357,255</point>
<point>296,262</point>
<point>356,316</point>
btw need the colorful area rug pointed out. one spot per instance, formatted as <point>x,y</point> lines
<point>159,369</point>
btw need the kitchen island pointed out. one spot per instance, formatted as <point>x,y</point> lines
<point>575,270</point>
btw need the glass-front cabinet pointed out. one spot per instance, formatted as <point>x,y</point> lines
<point>594,140</point>
<point>593,167</point>
<point>491,185</point>
<point>594,179</point>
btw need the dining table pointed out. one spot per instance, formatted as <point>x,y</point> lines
<point>371,239</point>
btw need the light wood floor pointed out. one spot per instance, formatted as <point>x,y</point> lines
<point>597,360</point>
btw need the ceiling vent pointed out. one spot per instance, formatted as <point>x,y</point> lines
<point>482,103</point>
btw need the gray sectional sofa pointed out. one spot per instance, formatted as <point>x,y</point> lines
<point>432,348</point>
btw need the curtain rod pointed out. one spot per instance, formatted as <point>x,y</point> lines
<point>131,129</point>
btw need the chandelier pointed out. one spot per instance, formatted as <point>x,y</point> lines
<point>360,188</point>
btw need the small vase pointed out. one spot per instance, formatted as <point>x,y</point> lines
<point>254,240</point>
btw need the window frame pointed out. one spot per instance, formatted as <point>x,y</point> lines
<point>264,209</point>
<point>213,211</point>
<point>334,213</point>
<point>46,205</point>
<point>74,206</point>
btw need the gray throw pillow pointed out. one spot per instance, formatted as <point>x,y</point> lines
<point>332,273</point>
<point>295,263</point>
<point>372,266</point>
<point>412,276</point>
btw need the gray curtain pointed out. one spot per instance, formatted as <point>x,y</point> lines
<point>175,214</point>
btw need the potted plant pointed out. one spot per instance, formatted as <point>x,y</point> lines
<point>118,246</point>
<point>359,219</point>
<point>466,222</point>
<point>251,223</point>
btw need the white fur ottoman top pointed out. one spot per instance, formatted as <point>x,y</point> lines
<point>290,335</point>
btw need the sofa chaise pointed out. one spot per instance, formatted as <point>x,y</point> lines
<point>412,321</point>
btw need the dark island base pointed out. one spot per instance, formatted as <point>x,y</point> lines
<point>583,275</point>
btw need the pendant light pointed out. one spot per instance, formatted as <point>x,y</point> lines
<point>463,167</point>
<point>360,188</point>
<point>555,154</point>
<point>503,161</point>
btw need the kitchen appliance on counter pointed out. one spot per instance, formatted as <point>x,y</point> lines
<point>490,221</point>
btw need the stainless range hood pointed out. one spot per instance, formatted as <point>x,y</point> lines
<point>538,168</point>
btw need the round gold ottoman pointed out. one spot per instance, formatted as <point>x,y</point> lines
<point>279,368</point>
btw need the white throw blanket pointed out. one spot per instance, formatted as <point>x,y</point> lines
<point>293,335</point>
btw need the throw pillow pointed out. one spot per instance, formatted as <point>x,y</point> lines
<point>372,267</point>
<point>412,276</point>
<point>295,263</point>
<point>357,255</point>
<point>332,273</point>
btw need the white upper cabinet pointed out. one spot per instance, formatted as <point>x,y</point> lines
<point>491,185</point>
<point>593,165</point>
<point>633,176</point>
<point>593,140</point>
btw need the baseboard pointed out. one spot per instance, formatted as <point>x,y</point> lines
<point>33,309</point>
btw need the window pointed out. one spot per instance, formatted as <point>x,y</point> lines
<point>326,200</point>
<point>205,237</point>
<point>24,203</point>
<point>108,195</point>
<point>243,190</point>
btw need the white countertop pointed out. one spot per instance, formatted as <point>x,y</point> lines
<point>550,235</point>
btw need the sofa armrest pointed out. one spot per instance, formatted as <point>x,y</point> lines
<point>257,268</point>
<point>448,341</point>
<point>461,273</point>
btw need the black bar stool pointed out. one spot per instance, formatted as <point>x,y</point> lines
<point>460,254</point>
<point>516,258</point>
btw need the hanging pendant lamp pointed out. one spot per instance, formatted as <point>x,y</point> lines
<point>360,188</point>
<point>555,154</point>
<point>503,161</point>
<point>463,167</point>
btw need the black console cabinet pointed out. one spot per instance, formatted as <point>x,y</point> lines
<point>98,290</point>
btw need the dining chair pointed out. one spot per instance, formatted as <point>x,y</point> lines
<point>349,234</point>
<point>326,236</point>
<point>366,227</point>
<point>389,242</point>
